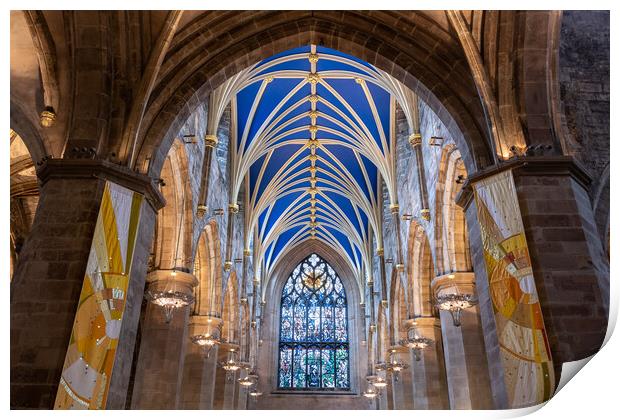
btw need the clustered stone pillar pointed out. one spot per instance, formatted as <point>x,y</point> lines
<point>464,352</point>
<point>400,399</point>
<point>416,142</point>
<point>210,143</point>
<point>429,376</point>
<point>233,209</point>
<point>200,365</point>
<point>49,275</point>
<point>569,265</point>
<point>160,361</point>
<point>384,299</point>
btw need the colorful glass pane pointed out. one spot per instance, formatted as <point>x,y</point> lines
<point>314,348</point>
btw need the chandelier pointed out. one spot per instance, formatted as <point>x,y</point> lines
<point>377,381</point>
<point>371,391</point>
<point>249,379</point>
<point>416,342</point>
<point>254,393</point>
<point>231,364</point>
<point>393,365</point>
<point>169,300</point>
<point>206,341</point>
<point>455,303</point>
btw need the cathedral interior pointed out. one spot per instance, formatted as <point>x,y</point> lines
<point>374,210</point>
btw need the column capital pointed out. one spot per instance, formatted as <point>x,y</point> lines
<point>394,208</point>
<point>458,282</point>
<point>415,139</point>
<point>201,210</point>
<point>423,322</point>
<point>204,325</point>
<point>211,140</point>
<point>162,278</point>
<point>233,208</point>
<point>528,166</point>
<point>98,168</point>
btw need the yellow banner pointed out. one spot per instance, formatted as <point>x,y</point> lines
<point>524,347</point>
<point>90,357</point>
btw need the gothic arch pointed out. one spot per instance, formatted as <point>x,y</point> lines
<point>207,268</point>
<point>24,195</point>
<point>451,237</point>
<point>270,316</point>
<point>173,234</point>
<point>188,75</point>
<point>398,308</point>
<point>421,272</point>
<point>231,310</point>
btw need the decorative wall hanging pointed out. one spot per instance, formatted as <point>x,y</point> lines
<point>90,358</point>
<point>524,347</point>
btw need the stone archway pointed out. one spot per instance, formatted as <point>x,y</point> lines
<point>451,234</point>
<point>269,327</point>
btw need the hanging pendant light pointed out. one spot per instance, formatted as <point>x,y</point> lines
<point>377,381</point>
<point>231,365</point>
<point>455,303</point>
<point>169,299</point>
<point>371,391</point>
<point>249,379</point>
<point>206,341</point>
<point>416,342</point>
<point>392,366</point>
<point>255,394</point>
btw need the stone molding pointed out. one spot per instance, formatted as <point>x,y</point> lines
<point>528,166</point>
<point>96,168</point>
<point>461,282</point>
<point>204,325</point>
<point>163,278</point>
<point>423,323</point>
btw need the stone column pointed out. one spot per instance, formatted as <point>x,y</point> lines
<point>199,369</point>
<point>430,391</point>
<point>49,274</point>
<point>210,143</point>
<point>569,265</point>
<point>465,358</point>
<point>400,385</point>
<point>162,349</point>
<point>416,143</point>
<point>225,383</point>
<point>233,209</point>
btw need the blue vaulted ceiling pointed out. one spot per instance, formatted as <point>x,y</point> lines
<point>312,123</point>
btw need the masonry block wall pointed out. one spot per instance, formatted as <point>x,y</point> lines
<point>584,89</point>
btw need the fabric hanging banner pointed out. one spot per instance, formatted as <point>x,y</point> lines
<point>524,346</point>
<point>89,361</point>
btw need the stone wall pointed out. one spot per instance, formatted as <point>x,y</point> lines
<point>584,89</point>
<point>584,85</point>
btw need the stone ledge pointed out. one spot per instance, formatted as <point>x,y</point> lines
<point>528,166</point>
<point>94,168</point>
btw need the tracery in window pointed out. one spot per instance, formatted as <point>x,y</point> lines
<point>314,340</point>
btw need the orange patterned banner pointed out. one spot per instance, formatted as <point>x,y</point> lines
<point>524,347</point>
<point>90,357</point>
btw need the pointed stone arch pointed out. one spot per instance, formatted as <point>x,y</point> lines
<point>231,310</point>
<point>421,272</point>
<point>173,230</point>
<point>451,235</point>
<point>398,308</point>
<point>207,269</point>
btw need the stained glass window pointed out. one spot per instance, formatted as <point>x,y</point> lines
<point>314,339</point>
